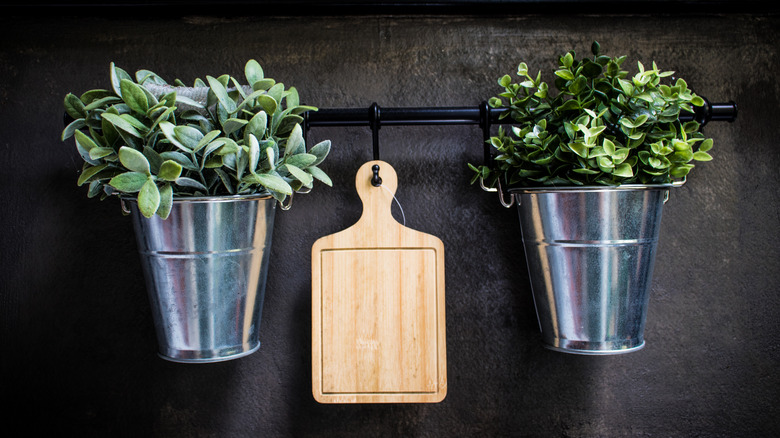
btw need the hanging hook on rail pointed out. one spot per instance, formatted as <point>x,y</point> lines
<point>374,114</point>
<point>374,121</point>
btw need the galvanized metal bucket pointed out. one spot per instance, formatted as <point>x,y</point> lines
<point>590,254</point>
<point>205,268</point>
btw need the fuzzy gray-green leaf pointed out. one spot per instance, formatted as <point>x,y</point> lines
<point>129,182</point>
<point>72,128</point>
<point>222,95</point>
<point>134,96</point>
<point>88,172</point>
<point>272,182</point>
<point>317,173</point>
<point>321,151</point>
<point>134,160</point>
<point>300,175</point>
<point>166,201</point>
<point>169,170</point>
<point>149,198</point>
<point>74,107</point>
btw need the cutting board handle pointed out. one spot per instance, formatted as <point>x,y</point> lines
<point>377,200</point>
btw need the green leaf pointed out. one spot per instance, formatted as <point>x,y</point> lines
<point>155,160</point>
<point>276,92</point>
<point>267,103</point>
<point>223,176</point>
<point>302,160</point>
<point>567,60</point>
<point>317,173</point>
<point>134,160</point>
<point>272,182</point>
<point>232,125</point>
<point>84,144</point>
<point>292,98</point>
<point>623,170</point>
<point>565,74</point>
<point>585,171</point>
<point>626,86</point>
<point>322,149</point>
<point>295,142</point>
<point>169,130</point>
<point>226,146</point>
<point>300,175</point>
<point>100,152</point>
<point>188,136</point>
<point>620,155</point>
<point>117,74</point>
<point>680,171</point>
<point>263,84</point>
<point>595,48</point>
<point>702,156</point>
<point>253,72</point>
<point>579,148</point>
<point>74,107</point>
<point>166,201</point>
<point>118,122</point>
<point>179,158</point>
<point>207,139</point>
<point>169,170</point>
<point>134,96</point>
<point>254,153</point>
<point>129,182</point>
<point>706,145</point>
<point>605,163</point>
<point>183,181</point>
<point>149,198</point>
<point>72,128</point>
<point>221,94</point>
<point>89,172</point>
<point>256,126</point>
<point>609,147</point>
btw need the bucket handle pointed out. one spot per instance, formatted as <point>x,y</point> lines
<point>289,203</point>
<point>679,183</point>
<point>500,192</point>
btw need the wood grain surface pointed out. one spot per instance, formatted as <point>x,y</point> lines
<point>378,327</point>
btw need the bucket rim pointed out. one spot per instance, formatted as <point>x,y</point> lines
<point>212,199</point>
<point>626,187</point>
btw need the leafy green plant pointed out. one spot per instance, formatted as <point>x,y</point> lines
<point>155,141</point>
<point>601,128</point>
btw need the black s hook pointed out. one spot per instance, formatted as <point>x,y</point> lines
<point>374,121</point>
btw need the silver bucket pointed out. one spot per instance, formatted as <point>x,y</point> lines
<point>205,268</point>
<point>590,254</point>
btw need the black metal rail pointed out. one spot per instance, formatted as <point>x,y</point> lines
<point>375,117</point>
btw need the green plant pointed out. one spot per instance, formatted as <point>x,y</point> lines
<point>601,128</point>
<point>156,141</point>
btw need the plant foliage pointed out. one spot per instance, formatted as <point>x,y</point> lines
<point>601,128</point>
<point>148,139</point>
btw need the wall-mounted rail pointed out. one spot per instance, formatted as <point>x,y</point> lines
<point>482,115</point>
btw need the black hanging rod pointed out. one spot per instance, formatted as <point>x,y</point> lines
<point>482,115</point>
<point>466,115</point>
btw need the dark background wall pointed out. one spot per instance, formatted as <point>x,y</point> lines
<point>77,345</point>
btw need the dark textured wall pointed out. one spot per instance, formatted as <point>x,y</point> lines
<point>77,346</point>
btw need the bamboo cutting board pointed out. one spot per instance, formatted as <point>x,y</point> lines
<point>378,306</point>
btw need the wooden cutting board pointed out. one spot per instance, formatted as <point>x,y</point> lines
<point>378,332</point>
